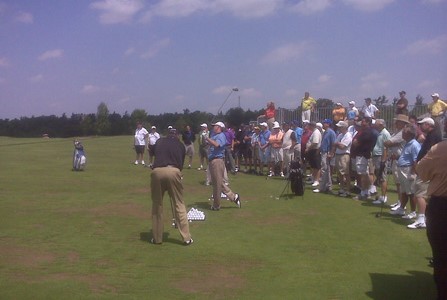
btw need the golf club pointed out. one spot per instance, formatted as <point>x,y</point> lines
<point>174,223</point>
<point>379,214</point>
<point>235,89</point>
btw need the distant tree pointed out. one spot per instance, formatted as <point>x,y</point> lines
<point>88,125</point>
<point>419,100</point>
<point>326,103</point>
<point>102,120</point>
<point>138,115</point>
<point>380,101</point>
<point>235,116</point>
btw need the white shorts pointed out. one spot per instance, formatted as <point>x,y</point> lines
<point>362,165</point>
<point>406,180</point>
<point>276,154</point>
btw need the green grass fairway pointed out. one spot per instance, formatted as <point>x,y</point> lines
<point>85,235</point>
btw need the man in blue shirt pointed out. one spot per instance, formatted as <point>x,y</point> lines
<point>216,157</point>
<point>298,134</point>
<point>264,147</point>
<point>325,148</point>
<point>406,171</point>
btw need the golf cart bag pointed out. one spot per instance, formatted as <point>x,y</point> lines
<point>79,158</point>
<point>296,178</point>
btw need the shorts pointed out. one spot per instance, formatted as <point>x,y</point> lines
<point>314,158</point>
<point>150,149</point>
<point>381,176</point>
<point>420,188</point>
<point>362,165</point>
<point>256,153</point>
<point>189,150</point>
<point>276,154</point>
<point>342,163</point>
<point>406,180</point>
<point>139,149</point>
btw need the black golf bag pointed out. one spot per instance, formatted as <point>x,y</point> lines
<point>296,178</point>
<point>79,159</point>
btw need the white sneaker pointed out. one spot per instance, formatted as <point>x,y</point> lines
<point>136,162</point>
<point>142,162</point>
<point>409,216</point>
<point>281,174</point>
<point>315,184</point>
<point>395,204</point>
<point>395,207</point>
<point>417,224</point>
<point>270,174</point>
<point>398,212</point>
<point>316,191</point>
<point>382,199</point>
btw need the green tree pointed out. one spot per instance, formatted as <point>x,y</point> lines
<point>102,120</point>
<point>138,115</point>
<point>381,101</point>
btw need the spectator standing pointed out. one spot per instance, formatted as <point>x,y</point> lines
<point>308,105</point>
<point>188,138</point>
<point>298,134</point>
<point>402,104</point>
<point>353,112</point>
<point>276,152</point>
<point>269,114</point>
<point>327,142</point>
<point>167,177</point>
<point>312,153</point>
<point>229,148</point>
<point>433,168</point>
<point>288,146</point>
<point>153,138</point>
<point>203,146</point>
<point>369,110</point>
<point>264,147</point>
<point>341,148</point>
<point>256,149</point>
<point>338,113</point>
<point>140,141</point>
<point>437,110</point>
<point>379,158</point>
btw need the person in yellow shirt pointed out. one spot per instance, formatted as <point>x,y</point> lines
<point>437,110</point>
<point>307,106</point>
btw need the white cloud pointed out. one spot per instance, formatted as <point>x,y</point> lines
<point>156,48</point>
<point>247,8</point>
<point>286,53</point>
<point>436,45</point>
<point>90,89</point>
<point>117,11</point>
<point>307,7</point>
<point>324,78</point>
<point>50,54</point>
<point>250,93</point>
<point>373,82</point>
<point>36,78</point>
<point>25,17</point>
<point>223,90</point>
<point>4,62</point>
<point>129,51</point>
<point>368,5</point>
<point>432,1</point>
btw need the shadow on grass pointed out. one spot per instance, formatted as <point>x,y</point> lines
<point>385,215</point>
<point>147,236</point>
<point>416,285</point>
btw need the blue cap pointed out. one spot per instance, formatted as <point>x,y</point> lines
<point>328,121</point>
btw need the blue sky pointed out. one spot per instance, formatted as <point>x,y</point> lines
<point>167,55</point>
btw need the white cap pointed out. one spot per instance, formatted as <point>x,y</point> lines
<point>306,121</point>
<point>373,121</point>
<point>339,104</point>
<point>276,125</point>
<point>342,124</point>
<point>319,125</point>
<point>428,121</point>
<point>153,127</point>
<point>204,125</point>
<point>263,124</point>
<point>435,95</point>
<point>220,124</point>
<point>169,127</point>
<point>352,102</point>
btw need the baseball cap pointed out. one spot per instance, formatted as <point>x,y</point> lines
<point>220,124</point>
<point>306,121</point>
<point>319,125</point>
<point>402,92</point>
<point>169,127</point>
<point>342,124</point>
<point>276,125</point>
<point>352,102</point>
<point>204,125</point>
<point>339,104</point>
<point>263,124</point>
<point>428,121</point>
<point>328,121</point>
<point>435,95</point>
<point>153,127</point>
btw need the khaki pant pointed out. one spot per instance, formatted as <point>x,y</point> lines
<point>217,169</point>
<point>168,179</point>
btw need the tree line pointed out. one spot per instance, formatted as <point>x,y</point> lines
<point>105,123</point>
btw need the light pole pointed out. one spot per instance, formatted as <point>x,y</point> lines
<point>235,89</point>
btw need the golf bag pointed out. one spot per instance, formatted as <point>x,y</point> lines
<point>296,178</point>
<point>79,158</point>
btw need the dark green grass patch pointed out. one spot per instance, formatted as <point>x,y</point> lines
<point>68,234</point>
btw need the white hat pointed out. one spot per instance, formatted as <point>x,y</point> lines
<point>220,124</point>
<point>204,125</point>
<point>428,121</point>
<point>435,95</point>
<point>306,121</point>
<point>276,125</point>
<point>169,127</point>
<point>263,124</point>
<point>373,121</point>
<point>342,124</point>
<point>319,125</point>
<point>352,102</point>
<point>339,104</point>
<point>153,127</point>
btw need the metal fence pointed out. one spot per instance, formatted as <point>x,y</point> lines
<point>386,112</point>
